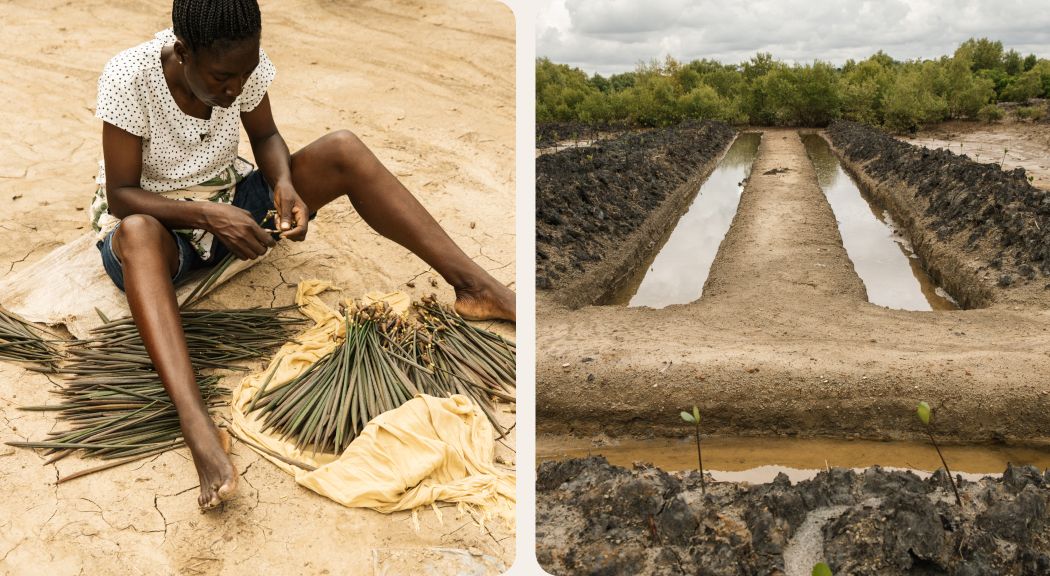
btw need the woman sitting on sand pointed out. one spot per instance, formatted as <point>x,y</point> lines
<point>172,109</point>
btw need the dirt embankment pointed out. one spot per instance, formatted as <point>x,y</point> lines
<point>595,518</point>
<point>602,209</point>
<point>784,342</point>
<point>984,233</point>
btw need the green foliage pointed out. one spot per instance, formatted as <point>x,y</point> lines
<point>1030,113</point>
<point>911,101</point>
<point>989,113</point>
<point>986,55</point>
<point>821,569</point>
<point>900,96</point>
<point>1026,86</point>
<point>923,411</point>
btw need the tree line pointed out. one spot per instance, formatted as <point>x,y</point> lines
<point>899,95</point>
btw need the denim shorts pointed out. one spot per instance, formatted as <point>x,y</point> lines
<point>253,194</point>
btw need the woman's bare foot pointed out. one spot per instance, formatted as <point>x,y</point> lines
<point>489,301</point>
<point>218,477</point>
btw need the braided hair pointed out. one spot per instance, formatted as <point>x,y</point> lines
<point>204,23</point>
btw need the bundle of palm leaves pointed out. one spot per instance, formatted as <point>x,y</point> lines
<point>383,361</point>
<point>114,401</point>
<point>23,342</point>
<point>464,359</point>
<point>120,418</point>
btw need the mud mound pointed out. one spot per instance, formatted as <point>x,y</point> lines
<point>596,518</point>
<point>997,214</point>
<point>588,200</point>
<point>550,133</point>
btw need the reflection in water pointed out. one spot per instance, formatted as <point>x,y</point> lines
<point>760,459</point>
<point>678,273</point>
<point>882,258</point>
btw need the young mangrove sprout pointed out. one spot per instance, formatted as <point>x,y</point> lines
<point>821,569</point>
<point>694,419</point>
<point>925,414</point>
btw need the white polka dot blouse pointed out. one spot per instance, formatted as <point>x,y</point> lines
<point>178,150</point>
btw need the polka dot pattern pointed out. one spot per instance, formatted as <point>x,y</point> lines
<point>178,150</point>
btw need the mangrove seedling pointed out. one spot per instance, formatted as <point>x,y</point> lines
<point>694,419</point>
<point>821,569</point>
<point>925,414</point>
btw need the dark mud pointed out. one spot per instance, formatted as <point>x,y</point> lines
<point>997,215</point>
<point>589,200</point>
<point>595,518</point>
<point>551,133</point>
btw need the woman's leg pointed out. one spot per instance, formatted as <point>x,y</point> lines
<point>339,164</point>
<point>150,258</point>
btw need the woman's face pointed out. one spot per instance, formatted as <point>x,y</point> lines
<point>217,74</point>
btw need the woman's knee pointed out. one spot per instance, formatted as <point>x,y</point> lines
<point>348,149</point>
<point>138,233</point>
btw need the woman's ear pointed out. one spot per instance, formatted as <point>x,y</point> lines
<point>181,51</point>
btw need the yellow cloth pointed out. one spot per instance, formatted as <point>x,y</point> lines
<point>428,449</point>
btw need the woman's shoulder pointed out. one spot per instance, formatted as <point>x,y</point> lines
<point>138,60</point>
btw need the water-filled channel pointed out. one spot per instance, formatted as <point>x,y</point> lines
<point>758,460</point>
<point>882,257</point>
<point>678,272</point>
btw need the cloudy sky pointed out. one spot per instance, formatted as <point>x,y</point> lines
<point>609,36</point>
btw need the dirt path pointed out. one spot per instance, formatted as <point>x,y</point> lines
<point>429,86</point>
<point>784,342</point>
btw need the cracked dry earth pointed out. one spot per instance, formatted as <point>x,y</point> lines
<point>784,342</point>
<point>439,113</point>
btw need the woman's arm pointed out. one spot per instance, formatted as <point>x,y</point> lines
<point>271,152</point>
<point>122,152</point>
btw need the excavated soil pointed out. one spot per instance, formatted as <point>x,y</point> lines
<point>980,229</point>
<point>601,208</point>
<point>595,518</point>
<point>429,86</point>
<point>784,342</point>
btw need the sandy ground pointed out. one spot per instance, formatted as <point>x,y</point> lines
<point>429,85</point>
<point>784,342</point>
<point>1010,143</point>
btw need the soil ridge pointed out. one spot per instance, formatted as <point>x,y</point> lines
<point>596,518</point>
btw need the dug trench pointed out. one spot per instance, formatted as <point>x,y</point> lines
<point>983,232</point>
<point>783,342</point>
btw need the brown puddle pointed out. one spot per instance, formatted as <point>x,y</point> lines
<point>882,257</point>
<point>677,273</point>
<point>759,460</point>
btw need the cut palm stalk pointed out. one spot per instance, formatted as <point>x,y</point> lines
<point>382,362</point>
<point>20,341</point>
<point>326,407</point>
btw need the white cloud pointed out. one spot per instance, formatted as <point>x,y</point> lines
<point>609,36</point>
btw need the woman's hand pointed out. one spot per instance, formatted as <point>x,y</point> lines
<point>236,228</point>
<point>293,216</point>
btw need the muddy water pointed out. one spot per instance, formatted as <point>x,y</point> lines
<point>758,460</point>
<point>678,272</point>
<point>884,260</point>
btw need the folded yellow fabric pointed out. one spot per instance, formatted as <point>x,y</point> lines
<point>429,449</point>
